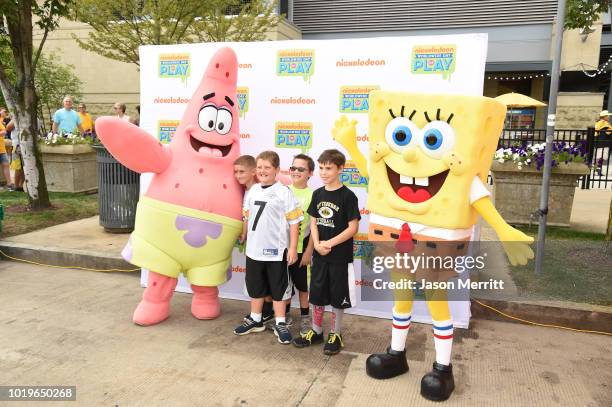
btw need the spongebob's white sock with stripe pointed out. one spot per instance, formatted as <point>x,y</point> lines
<point>399,332</point>
<point>443,340</point>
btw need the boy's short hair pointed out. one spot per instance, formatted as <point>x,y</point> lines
<point>332,156</point>
<point>246,161</point>
<point>271,157</point>
<point>309,161</point>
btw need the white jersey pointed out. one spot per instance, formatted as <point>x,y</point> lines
<point>270,211</point>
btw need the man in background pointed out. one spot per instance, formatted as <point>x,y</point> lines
<point>66,120</point>
<point>86,120</point>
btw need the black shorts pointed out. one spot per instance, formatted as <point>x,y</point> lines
<point>299,275</point>
<point>265,278</point>
<point>330,285</point>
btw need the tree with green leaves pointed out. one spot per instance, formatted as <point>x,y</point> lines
<point>583,13</point>
<point>120,27</point>
<point>20,92</point>
<point>53,81</point>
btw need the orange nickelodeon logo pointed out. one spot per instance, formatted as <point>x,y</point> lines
<point>364,211</point>
<point>238,269</point>
<point>359,63</point>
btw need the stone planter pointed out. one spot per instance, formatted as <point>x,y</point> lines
<point>70,168</point>
<point>517,192</point>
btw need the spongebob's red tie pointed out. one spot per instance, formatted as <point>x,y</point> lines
<point>404,244</point>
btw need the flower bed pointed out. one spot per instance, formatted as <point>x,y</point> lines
<point>69,162</point>
<point>517,181</point>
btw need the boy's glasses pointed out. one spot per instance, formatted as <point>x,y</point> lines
<point>298,169</point>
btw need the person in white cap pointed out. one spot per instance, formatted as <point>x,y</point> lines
<point>603,123</point>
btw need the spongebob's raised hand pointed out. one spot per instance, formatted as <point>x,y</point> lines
<point>345,133</point>
<point>516,245</point>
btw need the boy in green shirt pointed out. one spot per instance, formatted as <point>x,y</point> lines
<point>301,170</point>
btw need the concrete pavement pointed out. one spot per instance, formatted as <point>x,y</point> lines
<point>62,326</point>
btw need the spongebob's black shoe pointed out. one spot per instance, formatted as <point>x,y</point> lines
<point>438,384</point>
<point>387,365</point>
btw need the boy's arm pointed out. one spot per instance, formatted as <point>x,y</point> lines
<point>294,232</point>
<point>346,234</point>
<point>314,238</point>
<point>307,254</point>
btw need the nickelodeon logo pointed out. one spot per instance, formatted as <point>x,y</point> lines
<point>293,135</point>
<point>364,211</point>
<point>360,62</point>
<point>361,246</point>
<point>174,66</point>
<point>242,94</point>
<point>238,269</point>
<point>364,283</point>
<point>434,60</point>
<point>351,177</point>
<point>295,62</point>
<point>245,66</point>
<point>355,99</point>
<point>245,135</point>
<point>166,130</point>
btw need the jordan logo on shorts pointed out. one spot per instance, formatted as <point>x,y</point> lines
<point>344,301</point>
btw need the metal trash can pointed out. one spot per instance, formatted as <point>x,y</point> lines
<point>118,192</point>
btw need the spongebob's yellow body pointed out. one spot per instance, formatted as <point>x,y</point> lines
<point>428,160</point>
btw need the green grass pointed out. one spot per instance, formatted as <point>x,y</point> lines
<point>66,207</point>
<point>577,270</point>
<point>560,233</point>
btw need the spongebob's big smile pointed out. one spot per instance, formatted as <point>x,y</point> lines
<point>416,190</point>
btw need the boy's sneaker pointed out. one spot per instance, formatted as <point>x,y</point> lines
<point>248,326</point>
<point>309,338</point>
<point>334,344</point>
<point>265,318</point>
<point>305,324</point>
<point>282,333</point>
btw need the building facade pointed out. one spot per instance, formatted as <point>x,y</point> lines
<point>521,39</point>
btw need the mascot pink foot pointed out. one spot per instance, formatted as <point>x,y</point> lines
<point>155,304</point>
<point>191,214</point>
<point>205,302</point>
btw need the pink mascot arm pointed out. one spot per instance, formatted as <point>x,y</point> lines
<point>132,146</point>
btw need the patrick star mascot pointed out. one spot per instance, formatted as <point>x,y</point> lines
<point>190,217</point>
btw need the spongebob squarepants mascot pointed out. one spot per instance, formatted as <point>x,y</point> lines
<point>429,158</point>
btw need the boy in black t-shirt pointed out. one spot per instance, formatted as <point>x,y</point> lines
<point>334,221</point>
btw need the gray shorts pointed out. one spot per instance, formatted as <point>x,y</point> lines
<point>4,158</point>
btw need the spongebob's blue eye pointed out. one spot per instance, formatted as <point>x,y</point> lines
<point>402,135</point>
<point>432,139</point>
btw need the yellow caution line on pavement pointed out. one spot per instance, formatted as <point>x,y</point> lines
<point>538,324</point>
<point>62,267</point>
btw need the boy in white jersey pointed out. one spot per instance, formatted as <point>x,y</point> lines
<point>245,172</point>
<point>301,171</point>
<point>273,215</point>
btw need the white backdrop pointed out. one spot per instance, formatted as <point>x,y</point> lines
<point>291,92</point>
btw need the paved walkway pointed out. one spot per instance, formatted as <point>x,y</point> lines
<point>63,326</point>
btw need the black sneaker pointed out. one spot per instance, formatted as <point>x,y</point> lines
<point>282,333</point>
<point>265,318</point>
<point>334,344</point>
<point>248,326</point>
<point>309,338</point>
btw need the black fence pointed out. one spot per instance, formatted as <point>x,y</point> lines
<point>596,146</point>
